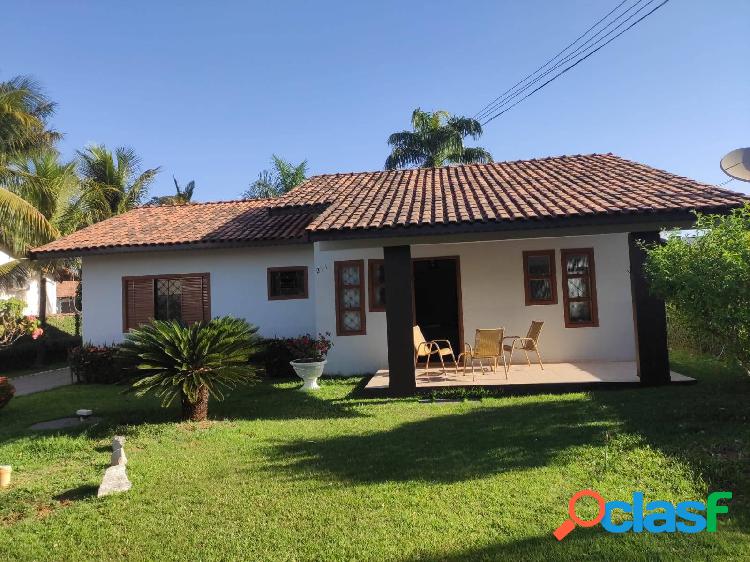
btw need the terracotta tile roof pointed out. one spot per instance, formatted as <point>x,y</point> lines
<point>548,191</point>
<point>526,190</point>
<point>205,224</point>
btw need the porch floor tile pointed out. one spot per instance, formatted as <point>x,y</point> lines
<point>624,372</point>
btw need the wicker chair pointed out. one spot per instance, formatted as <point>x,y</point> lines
<point>487,345</point>
<point>529,343</point>
<point>424,348</point>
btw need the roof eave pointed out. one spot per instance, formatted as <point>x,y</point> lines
<point>205,245</point>
<point>672,219</point>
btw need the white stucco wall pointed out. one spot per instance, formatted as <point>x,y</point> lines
<point>493,296</point>
<point>238,287</point>
<point>491,285</point>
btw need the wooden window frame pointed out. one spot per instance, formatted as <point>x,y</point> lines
<point>527,278</point>
<point>373,284</point>
<point>272,270</point>
<point>127,278</point>
<point>594,323</point>
<point>337,267</point>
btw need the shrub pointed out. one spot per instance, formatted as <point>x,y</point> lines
<point>7,391</point>
<point>192,362</point>
<point>706,279</point>
<point>91,364</point>
<point>275,356</point>
<point>27,352</point>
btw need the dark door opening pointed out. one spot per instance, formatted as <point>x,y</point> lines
<point>437,308</point>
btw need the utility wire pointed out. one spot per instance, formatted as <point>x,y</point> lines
<point>576,63</point>
<point>550,61</point>
<point>586,46</point>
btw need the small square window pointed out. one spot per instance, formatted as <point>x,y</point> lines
<point>287,283</point>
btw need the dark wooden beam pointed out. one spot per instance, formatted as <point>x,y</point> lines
<point>649,315</point>
<point>399,313</point>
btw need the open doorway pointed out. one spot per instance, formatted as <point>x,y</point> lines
<point>437,299</point>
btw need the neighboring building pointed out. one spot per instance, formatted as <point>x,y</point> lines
<point>464,247</point>
<point>28,292</point>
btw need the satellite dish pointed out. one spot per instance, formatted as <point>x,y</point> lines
<point>737,164</point>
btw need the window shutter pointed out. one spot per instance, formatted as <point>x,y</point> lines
<point>195,299</point>
<point>139,302</point>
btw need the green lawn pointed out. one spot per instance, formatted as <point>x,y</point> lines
<point>281,475</point>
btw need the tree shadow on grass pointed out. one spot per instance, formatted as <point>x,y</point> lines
<point>702,425</point>
<point>597,544</point>
<point>449,448</point>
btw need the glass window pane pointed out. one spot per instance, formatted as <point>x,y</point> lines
<point>577,264</point>
<point>168,299</point>
<point>380,273</point>
<point>578,287</point>
<point>379,296</point>
<point>351,297</point>
<point>350,275</point>
<point>579,311</point>
<point>539,265</point>
<point>352,320</point>
<point>541,290</point>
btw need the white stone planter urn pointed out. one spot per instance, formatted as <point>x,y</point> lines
<point>309,371</point>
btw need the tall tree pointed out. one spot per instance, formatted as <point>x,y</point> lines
<point>24,111</point>
<point>35,187</point>
<point>183,196</point>
<point>36,208</point>
<point>112,182</point>
<point>437,139</point>
<point>282,178</point>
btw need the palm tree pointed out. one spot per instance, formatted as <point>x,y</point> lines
<point>184,195</point>
<point>24,110</point>
<point>437,139</point>
<point>110,181</point>
<point>35,187</point>
<point>284,177</point>
<point>36,208</point>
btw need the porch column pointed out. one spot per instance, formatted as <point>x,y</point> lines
<point>649,316</point>
<point>399,314</point>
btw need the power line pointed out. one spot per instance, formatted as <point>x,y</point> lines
<point>514,93</point>
<point>484,109</point>
<point>598,44</point>
<point>577,62</point>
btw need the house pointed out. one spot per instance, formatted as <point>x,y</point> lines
<point>364,256</point>
<point>28,292</point>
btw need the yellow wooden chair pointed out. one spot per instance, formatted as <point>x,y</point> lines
<point>423,348</point>
<point>487,345</point>
<point>529,343</point>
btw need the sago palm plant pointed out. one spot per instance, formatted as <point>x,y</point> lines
<point>193,362</point>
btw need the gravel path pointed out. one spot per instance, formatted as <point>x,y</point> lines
<point>37,382</point>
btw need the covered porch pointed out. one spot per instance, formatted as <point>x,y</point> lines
<point>648,363</point>
<point>521,377</point>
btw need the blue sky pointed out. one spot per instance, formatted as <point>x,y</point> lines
<point>208,90</point>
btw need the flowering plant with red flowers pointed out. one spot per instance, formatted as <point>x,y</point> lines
<point>310,348</point>
<point>14,325</point>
